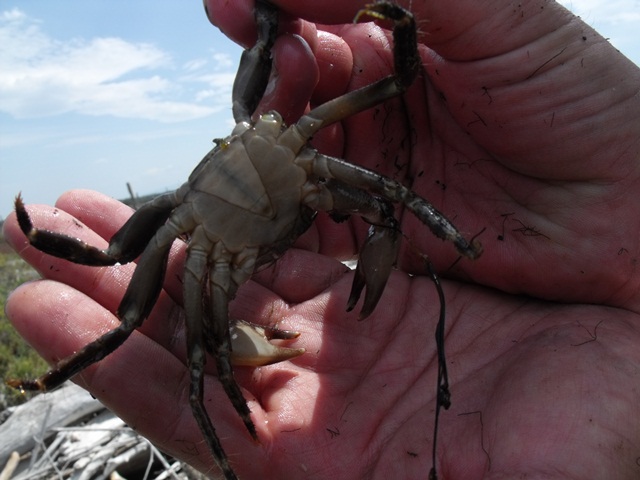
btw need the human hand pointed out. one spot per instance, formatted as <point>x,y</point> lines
<point>523,123</point>
<point>359,402</point>
<point>539,386</point>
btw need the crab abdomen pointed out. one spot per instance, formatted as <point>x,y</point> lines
<point>249,192</point>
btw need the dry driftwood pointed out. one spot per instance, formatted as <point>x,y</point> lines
<point>34,419</point>
<point>67,434</point>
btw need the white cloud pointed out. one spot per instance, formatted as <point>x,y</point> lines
<point>218,83</point>
<point>42,76</point>
<point>222,61</point>
<point>194,65</point>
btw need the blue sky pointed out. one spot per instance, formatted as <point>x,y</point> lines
<point>94,94</point>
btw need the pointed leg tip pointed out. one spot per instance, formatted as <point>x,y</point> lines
<point>25,385</point>
<point>14,383</point>
<point>23,217</point>
<point>274,333</point>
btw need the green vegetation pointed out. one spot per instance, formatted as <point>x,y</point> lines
<point>17,358</point>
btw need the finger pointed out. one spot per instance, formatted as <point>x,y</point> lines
<point>332,11</point>
<point>463,29</point>
<point>90,207</point>
<point>39,311</point>
<point>236,20</point>
<point>293,78</point>
<point>335,63</point>
<point>103,214</point>
<point>104,283</point>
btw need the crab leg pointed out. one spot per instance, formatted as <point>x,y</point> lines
<point>222,289</point>
<point>138,300</point>
<point>126,245</point>
<point>406,64</point>
<point>255,65</point>
<point>379,251</point>
<point>330,167</point>
<point>212,332</point>
<point>195,274</point>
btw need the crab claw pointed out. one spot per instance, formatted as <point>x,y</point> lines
<point>376,259</point>
<point>251,346</point>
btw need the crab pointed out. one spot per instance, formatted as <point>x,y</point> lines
<point>242,207</point>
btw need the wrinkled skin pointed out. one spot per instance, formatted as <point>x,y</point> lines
<point>559,150</point>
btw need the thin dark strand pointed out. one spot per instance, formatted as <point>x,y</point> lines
<point>443,395</point>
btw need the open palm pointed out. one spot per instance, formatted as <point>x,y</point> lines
<point>524,124</point>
